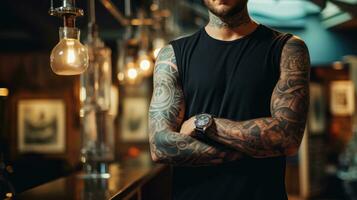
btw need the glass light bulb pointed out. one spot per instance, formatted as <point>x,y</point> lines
<point>132,73</point>
<point>69,56</point>
<point>145,64</point>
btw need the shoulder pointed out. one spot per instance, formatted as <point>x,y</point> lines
<point>295,54</point>
<point>166,60</point>
<point>173,51</point>
<point>187,38</point>
<point>184,43</point>
<point>166,55</point>
<point>295,45</point>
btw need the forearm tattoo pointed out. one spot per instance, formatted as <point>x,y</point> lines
<point>165,117</point>
<point>280,134</point>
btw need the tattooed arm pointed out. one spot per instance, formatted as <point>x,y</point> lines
<point>165,118</point>
<point>280,134</point>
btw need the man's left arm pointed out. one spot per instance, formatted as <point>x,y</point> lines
<point>280,134</point>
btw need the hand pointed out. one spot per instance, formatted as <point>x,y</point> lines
<point>188,127</point>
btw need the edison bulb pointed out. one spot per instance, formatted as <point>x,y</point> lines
<point>132,73</point>
<point>69,56</point>
<point>146,65</point>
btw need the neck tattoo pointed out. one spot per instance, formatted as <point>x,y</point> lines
<point>231,22</point>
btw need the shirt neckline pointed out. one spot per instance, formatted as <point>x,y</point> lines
<point>231,41</point>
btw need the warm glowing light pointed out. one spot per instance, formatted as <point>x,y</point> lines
<point>82,94</point>
<point>132,73</point>
<point>120,76</point>
<point>157,44</point>
<point>114,101</point>
<point>71,57</point>
<point>156,52</point>
<point>154,7</point>
<point>106,67</point>
<point>145,64</point>
<point>4,92</point>
<point>338,65</point>
<point>81,112</point>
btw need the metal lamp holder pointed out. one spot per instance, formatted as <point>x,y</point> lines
<point>68,11</point>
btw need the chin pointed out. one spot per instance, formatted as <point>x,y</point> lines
<point>223,8</point>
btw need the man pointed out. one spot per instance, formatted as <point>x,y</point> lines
<point>229,104</point>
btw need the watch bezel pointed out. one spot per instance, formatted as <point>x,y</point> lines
<point>204,127</point>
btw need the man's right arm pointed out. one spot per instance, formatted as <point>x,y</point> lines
<point>165,118</point>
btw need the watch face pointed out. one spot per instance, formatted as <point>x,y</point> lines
<point>203,120</point>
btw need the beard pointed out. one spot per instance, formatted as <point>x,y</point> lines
<point>228,10</point>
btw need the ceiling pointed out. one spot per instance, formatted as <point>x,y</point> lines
<point>25,24</point>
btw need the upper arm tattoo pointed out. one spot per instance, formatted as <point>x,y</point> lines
<point>167,103</point>
<point>290,99</point>
<point>280,134</point>
<point>165,118</point>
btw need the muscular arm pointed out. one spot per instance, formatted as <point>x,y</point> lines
<point>282,133</point>
<point>165,118</point>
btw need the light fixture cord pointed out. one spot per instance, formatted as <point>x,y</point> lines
<point>92,12</point>
<point>51,5</point>
<point>127,8</point>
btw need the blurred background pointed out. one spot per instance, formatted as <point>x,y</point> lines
<point>51,126</point>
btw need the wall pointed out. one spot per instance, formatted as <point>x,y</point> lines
<point>29,76</point>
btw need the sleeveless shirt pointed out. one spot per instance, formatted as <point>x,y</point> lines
<point>232,80</point>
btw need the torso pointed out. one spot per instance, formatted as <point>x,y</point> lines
<point>232,80</point>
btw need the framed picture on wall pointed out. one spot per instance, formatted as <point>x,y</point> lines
<point>41,125</point>
<point>342,102</point>
<point>317,115</point>
<point>134,124</point>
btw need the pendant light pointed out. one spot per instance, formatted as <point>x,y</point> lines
<point>69,56</point>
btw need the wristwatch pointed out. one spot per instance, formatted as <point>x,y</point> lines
<point>202,122</point>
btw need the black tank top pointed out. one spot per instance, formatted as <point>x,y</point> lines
<point>232,80</point>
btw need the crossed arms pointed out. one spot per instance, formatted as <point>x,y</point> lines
<point>277,135</point>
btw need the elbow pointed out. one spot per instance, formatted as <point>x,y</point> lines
<point>292,147</point>
<point>290,144</point>
<point>158,159</point>
<point>154,157</point>
<point>158,151</point>
<point>291,150</point>
<point>293,144</point>
<point>157,156</point>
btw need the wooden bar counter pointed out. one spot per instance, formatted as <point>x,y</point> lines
<point>129,180</point>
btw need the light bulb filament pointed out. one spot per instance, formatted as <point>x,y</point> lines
<point>71,57</point>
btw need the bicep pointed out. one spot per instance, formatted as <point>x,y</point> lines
<point>290,98</point>
<point>167,104</point>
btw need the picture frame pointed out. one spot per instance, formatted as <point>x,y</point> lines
<point>41,125</point>
<point>342,102</point>
<point>134,123</point>
<point>317,110</point>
